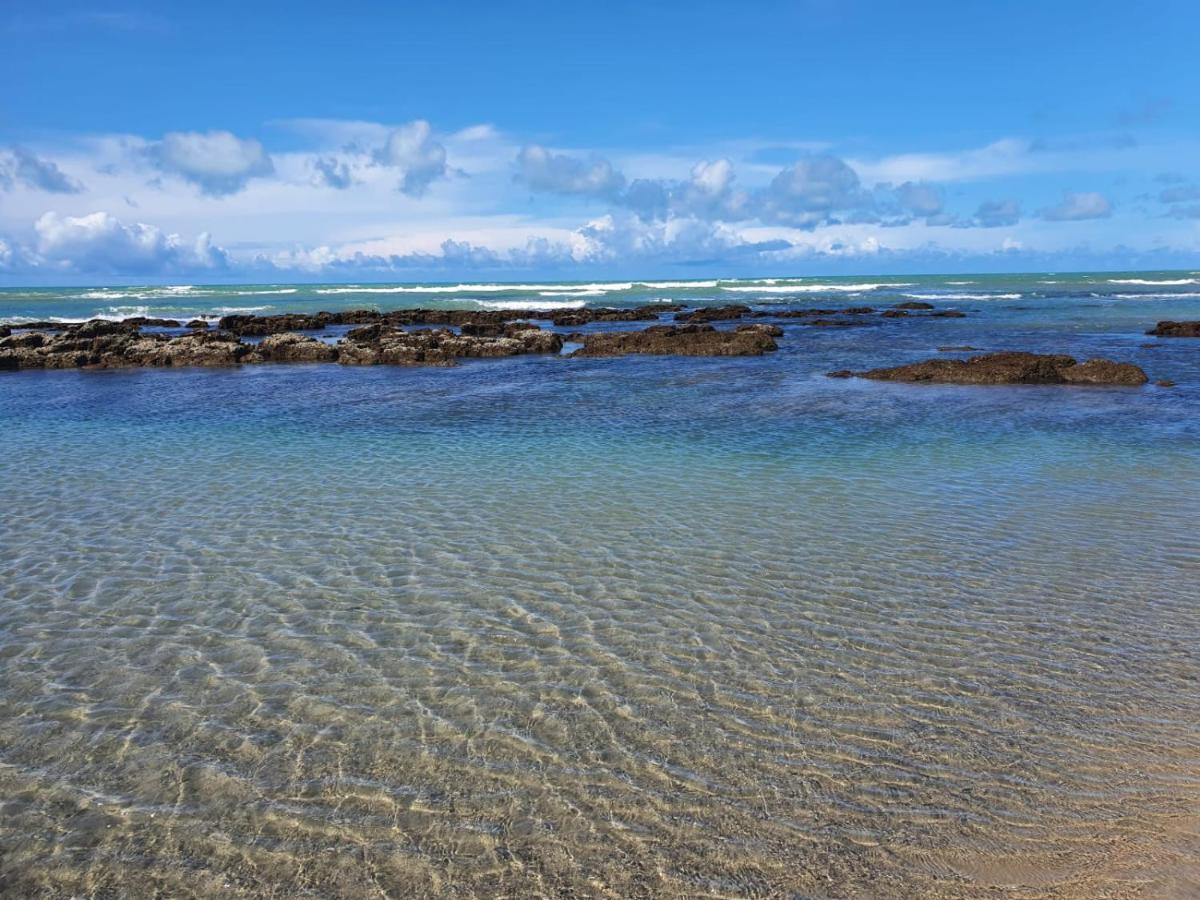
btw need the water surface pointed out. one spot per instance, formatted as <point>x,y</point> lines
<point>671,627</point>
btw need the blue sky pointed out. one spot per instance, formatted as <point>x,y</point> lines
<point>225,142</point>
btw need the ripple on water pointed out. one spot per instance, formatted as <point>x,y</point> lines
<point>698,628</point>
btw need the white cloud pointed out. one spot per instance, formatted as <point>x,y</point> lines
<point>995,213</point>
<point>329,171</point>
<point>810,190</point>
<point>217,162</point>
<point>920,198</point>
<point>21,166</point>
<point>558,173</point>
<point>412,149</point>
<point>1009,156</point>
<point>100,243</point>
<point>1076,206</point>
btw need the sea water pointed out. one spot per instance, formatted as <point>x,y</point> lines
<point>608,627</point>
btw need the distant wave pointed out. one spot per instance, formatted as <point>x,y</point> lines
<point>669,285</point>
<point>1155,295</point>
<point>598,288</point>
<point>172,292</point>
<point>963,296</point>
<point>813,288</point>
<point>531,304</point>
<point>1165,282</point>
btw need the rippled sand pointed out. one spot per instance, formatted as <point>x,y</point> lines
<point>560,628</point>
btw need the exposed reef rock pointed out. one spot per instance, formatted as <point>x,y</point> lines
<point>380,338</point>
<point>679,340</point>
<point>257,326</point>
<point>291,347</point>
<point>577,317</point>
<point>1176,329</point>
<point>1009,368</point>
<point>103,344</point>
<point>713,314</point>
<point>381,345</point>
<point>913,304</point>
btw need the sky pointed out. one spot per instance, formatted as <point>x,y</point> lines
<point>227,142</point>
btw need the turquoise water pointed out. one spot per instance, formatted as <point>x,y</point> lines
<point>680,627</point>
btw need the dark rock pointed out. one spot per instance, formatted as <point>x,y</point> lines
<point>1013,368</point>
<point>947,314</point>
<point>144,322</point>
<point>913,304</point>
<point>256,326</point>
<point>831,323</point>
<point>858,311</point>
<point>713,314</point>
<point>482,329</point>
<point>1176,329</point>
<point>1165,382</point>
<point>97,327</point>
<point>1104,371</point>
<point>793,313</point>
<point>292,347</point>
<point>760,328</point>
<point>670,340</point>
<point>42,326</point>
<point>894,313</point>
<point>577,317</point>
<point>5,331</point>
<point>840,373</point>
<point>381,345</point>
<point>963,349</point>
<point>197,323</point>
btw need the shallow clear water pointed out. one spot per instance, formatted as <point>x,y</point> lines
<point>683,627</point>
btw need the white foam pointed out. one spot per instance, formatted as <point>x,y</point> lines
<point>959,283</point>
<point>1166,282</point>
<point>602,287</point>
<point>1152,295</point>
<point>669,285</point>
<point>531,304</point>
<point>234,310</point>
<point>813,288</point>
<point>964,296</point>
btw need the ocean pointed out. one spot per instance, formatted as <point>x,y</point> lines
<point>646,626</point>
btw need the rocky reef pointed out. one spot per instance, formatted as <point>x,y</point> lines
<point>1176,329</point>
<point>1012,367</point>
<point>107,345</point>
<point>682,340</point>
<point>398,338</point>
<point>257,326</point>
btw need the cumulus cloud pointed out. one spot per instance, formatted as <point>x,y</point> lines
<point>412,149</point>
<point>19,166</point>
<point>1076,206</point>
<point>920,198</point>
<point>995,213</point>
<point>100,243</point>
<point>558,173</point>
<point>329,171</point>
<point>810,190</point>
<point>217,162</point>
